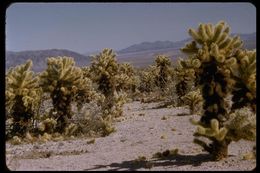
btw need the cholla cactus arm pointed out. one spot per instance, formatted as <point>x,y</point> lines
<point>214,132</point>
<point>22,96</point>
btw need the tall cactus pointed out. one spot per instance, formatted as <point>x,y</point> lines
<point>22,97</point>
<point>217,53</point>
<point>64,81</point>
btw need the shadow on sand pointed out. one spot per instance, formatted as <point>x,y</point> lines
<point>177,160</point>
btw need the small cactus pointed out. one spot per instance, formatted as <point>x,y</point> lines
<point>194,100</point>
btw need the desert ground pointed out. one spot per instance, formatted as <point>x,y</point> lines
<point>143,130</point>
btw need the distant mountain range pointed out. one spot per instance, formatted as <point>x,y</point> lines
<point>39,58</point>
<point>249,40</point>
<point>140,55</point>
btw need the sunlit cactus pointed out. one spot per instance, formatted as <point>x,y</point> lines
<point>194,100</point>
<point>217,53</point>
<point>111,78</point>
<point>65,83</point>
<point>104,68</point>
<point>22,97</point>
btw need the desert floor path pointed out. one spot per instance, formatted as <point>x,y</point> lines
<point>144,131</point>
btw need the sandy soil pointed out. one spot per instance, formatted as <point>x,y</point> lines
<point>143,131</point>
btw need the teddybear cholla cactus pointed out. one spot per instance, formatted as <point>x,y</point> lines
<point>194,100</point>
<point>110,77</point>
<point>65,83</point>
<point>244,73</point>
<point>185,76</point>
<point>165,71</point>
<point>147,79</point>
<point>217,54</point>
<point>22,97</point>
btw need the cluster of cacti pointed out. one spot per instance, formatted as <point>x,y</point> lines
<point>217,55</point>
<point>65,83</point>
<point>185,77</point>
<point>194,100</point>
<point>156,79</point>
<point>22,97</point>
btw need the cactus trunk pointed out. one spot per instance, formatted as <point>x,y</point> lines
<point>220,149</point>
<point>21,118</point>
<point>62,105</point>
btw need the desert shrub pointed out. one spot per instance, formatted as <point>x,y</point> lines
<point>217,55</point>
<point>22,98</point>
<point>90,122</point>
<point>65,84</point>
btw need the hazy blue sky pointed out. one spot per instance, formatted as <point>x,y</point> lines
<point>85,27</point>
